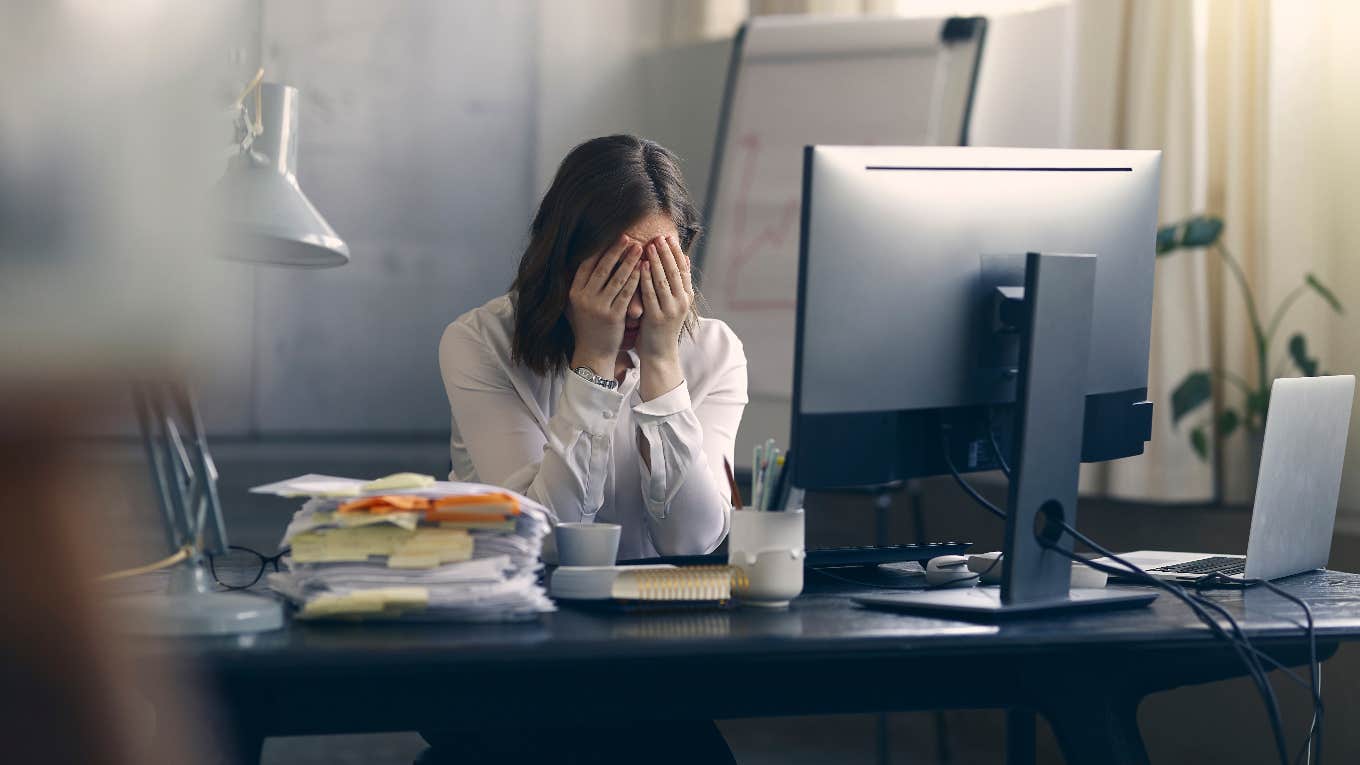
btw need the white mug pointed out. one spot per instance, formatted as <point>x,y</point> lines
<point>588,544</point>
<point>768,548</point>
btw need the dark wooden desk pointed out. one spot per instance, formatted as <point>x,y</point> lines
<point>1086,674</point>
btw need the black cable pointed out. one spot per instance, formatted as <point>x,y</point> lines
<point>1249,655</point>
<point>996,447</point>
<point>1314,740</point>
<point>1236,637</point>
<point>954,471</point>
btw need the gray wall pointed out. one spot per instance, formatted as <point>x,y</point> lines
<point>418,145</point>
<point>428,131</point>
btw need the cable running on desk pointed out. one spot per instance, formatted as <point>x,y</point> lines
<point>1250,656</point>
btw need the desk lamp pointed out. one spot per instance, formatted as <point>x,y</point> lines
<point>266,219</point>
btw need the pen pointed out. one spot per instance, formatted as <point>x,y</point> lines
<point>755,475</point>
<point>767,456</point>
<point>774,481</point>
<point>732,484</point>
<point>781,484</point>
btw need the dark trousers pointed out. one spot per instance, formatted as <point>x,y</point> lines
<point>692,742</point>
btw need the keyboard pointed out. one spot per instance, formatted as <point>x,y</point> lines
<point>831,557</point>
<point>1217,564</point>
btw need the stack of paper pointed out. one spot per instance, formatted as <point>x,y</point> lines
<point>410,547</point>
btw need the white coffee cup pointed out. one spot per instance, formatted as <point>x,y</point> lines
<point>588,544</point>
<point>768,548</point>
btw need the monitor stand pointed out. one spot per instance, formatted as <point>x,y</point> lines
<point>1051,408</point>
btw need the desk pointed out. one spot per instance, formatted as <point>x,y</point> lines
<point>1085,673</point>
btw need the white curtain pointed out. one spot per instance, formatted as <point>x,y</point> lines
<point>1158,88</point>
<point>1253,103</point>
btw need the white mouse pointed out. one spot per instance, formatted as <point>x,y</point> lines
<point>950,571</point>
<point>987,566</point>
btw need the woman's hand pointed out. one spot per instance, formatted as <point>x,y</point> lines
<point>666,298</point>
<point>598,303</point>
<point>667,294</point>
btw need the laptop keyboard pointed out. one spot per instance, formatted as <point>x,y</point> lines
<point>1218,564</point>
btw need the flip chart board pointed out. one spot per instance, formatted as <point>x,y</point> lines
<point>794,81</point>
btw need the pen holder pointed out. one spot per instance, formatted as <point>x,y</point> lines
<point>768,548</point>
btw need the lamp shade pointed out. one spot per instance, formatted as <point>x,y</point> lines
<point>267,219</point>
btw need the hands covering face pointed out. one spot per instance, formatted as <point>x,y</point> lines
<point>667,294</point>
<point>598,303</point>
<point>658,272</point>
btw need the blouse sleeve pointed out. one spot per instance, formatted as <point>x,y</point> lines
<point>565,469</point>
<point>685,488</point>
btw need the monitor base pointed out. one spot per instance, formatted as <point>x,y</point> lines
<point>984,603</point>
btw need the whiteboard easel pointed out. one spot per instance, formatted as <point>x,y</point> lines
<point>794,81</point>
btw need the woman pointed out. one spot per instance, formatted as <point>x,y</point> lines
<point>594,386</point>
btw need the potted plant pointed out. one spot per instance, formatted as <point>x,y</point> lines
<point>1251,392</point>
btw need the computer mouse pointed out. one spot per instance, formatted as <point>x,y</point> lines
<point>950,571</point>
<point>987,566</point>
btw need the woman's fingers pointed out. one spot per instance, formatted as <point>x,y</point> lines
<point>663,284</point>
<point>623,273</point>
<point>630,286</point>
<point>686,274</point>
<point>650,303</point>
<point>604,269</point>
<point>670,260</point>
<point>583,272</point>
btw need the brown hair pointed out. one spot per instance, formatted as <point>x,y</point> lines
<point>602,187</point>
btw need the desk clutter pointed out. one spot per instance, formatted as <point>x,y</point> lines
<point>410,547</point>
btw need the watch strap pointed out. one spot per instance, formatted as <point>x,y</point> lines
<point>589,375</point>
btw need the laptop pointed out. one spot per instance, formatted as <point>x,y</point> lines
<point>1296,490</point>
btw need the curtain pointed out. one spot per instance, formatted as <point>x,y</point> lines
<point>1159,86</point>
<point>1252,104</point>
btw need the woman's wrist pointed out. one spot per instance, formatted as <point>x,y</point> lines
<point>600,365</point>
<point>659,375</point>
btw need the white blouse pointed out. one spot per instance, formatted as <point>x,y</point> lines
<point>574,446</point>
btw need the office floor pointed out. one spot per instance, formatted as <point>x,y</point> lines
<point>1222,722</point>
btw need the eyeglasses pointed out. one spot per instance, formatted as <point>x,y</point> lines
<point>241,567</point>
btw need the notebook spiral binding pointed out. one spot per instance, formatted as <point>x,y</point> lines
<point>691,583</point>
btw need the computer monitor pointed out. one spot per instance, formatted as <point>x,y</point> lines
<point>918,319</point>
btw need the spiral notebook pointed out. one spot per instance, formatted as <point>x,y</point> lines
<point>647,583</point>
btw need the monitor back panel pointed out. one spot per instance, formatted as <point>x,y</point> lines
<point>904,245</point>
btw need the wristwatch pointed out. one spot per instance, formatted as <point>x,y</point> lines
<point>588,374</point>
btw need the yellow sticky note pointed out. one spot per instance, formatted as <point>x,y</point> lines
<point>407,521</point>
<point>356,544</point>
<point>399,481</point>
<point>431,547</point>
<point>423,547</point>
<point>383,601</point>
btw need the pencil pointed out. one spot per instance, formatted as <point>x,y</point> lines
<point>732,482</point>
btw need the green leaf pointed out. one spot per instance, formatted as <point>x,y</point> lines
<point>1328,295</point>
<point>1257,405</point>
<point>1193,391</point>
<point>1228,422</point>
<point>1298,351</point>
<point>1200,442</point>
<point>1202,231</point>
<point>1166,238</point>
